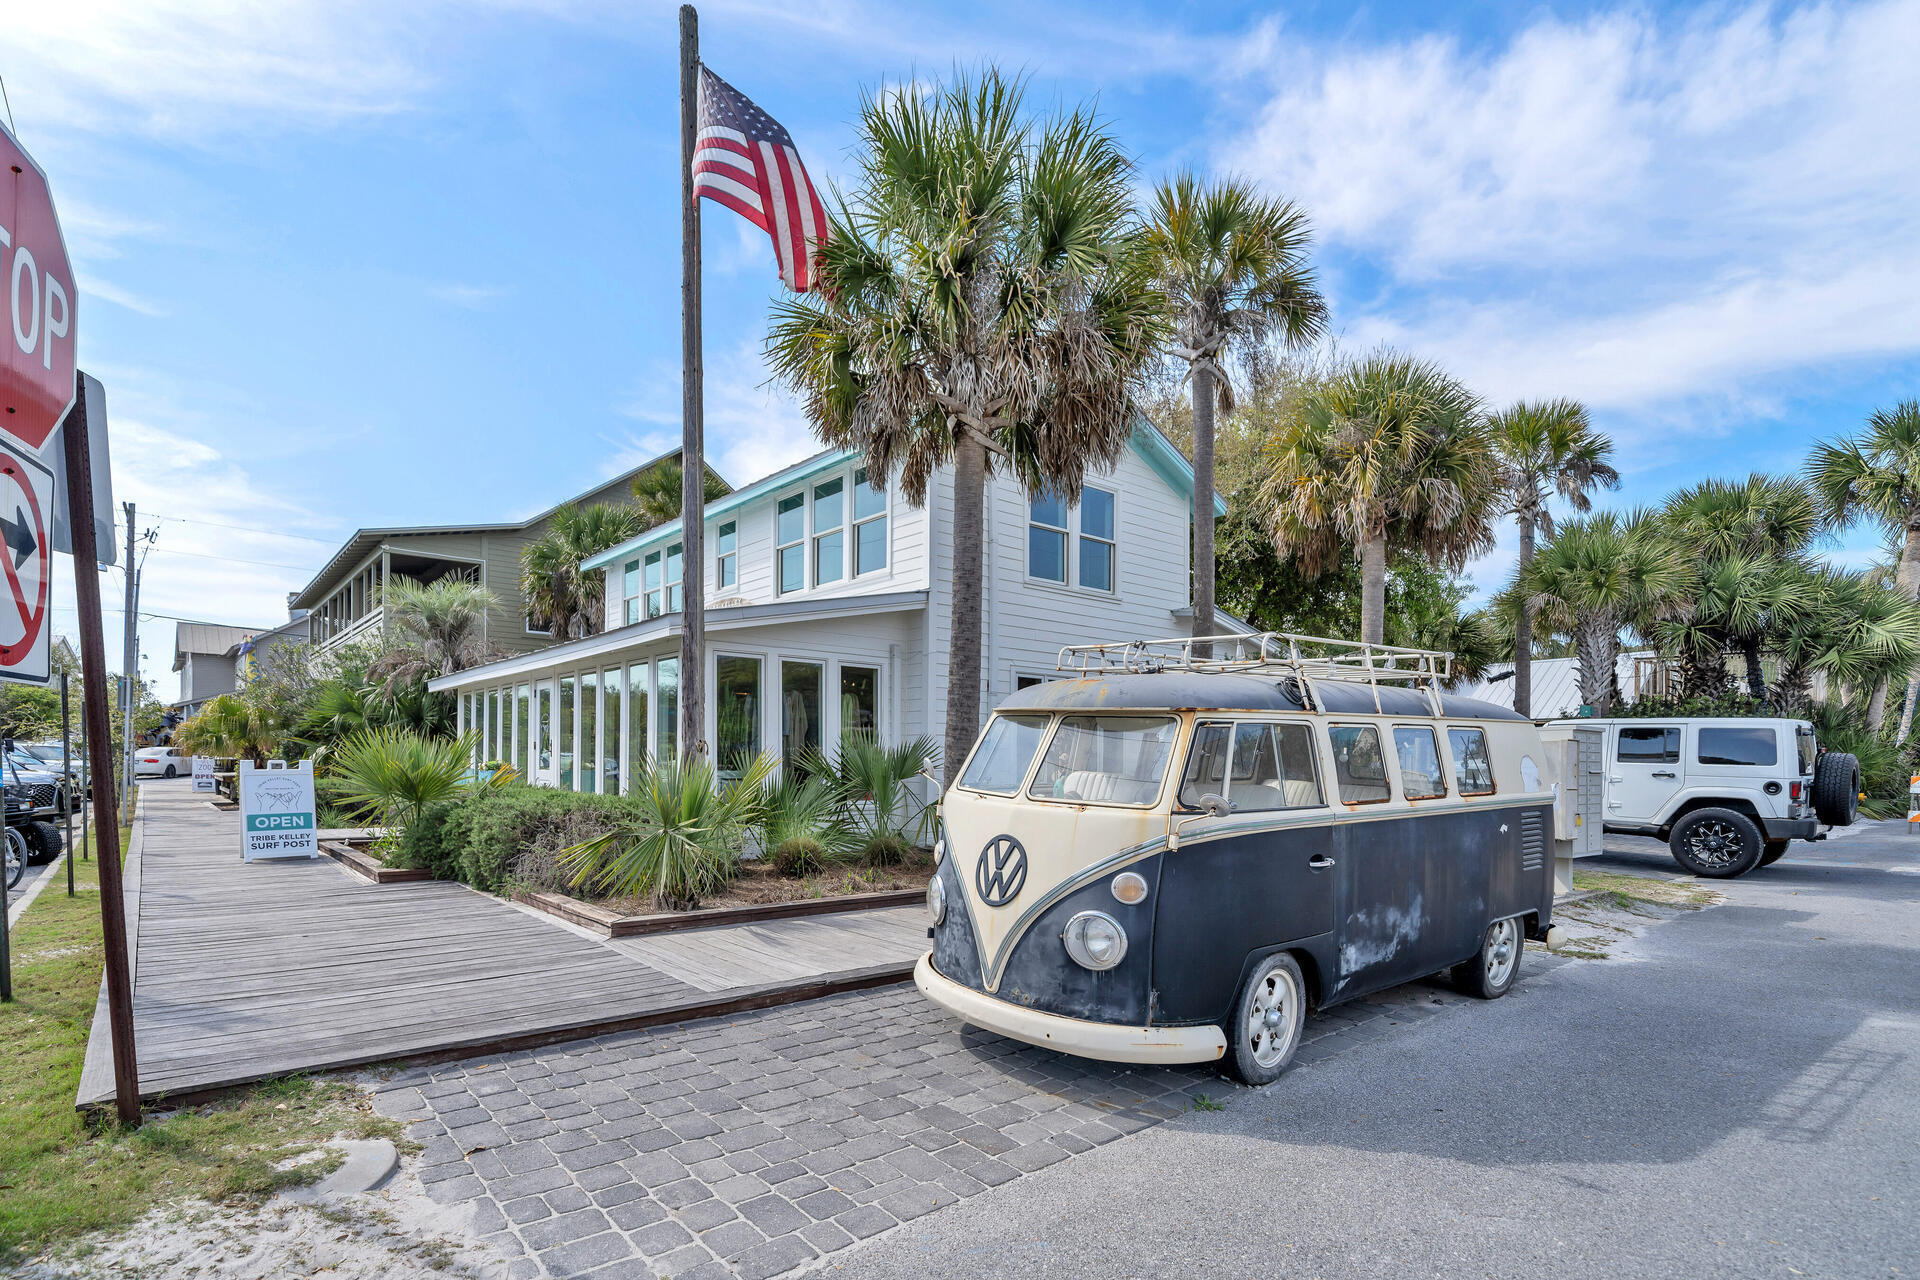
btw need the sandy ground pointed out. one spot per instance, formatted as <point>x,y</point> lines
<point>393,1233</point>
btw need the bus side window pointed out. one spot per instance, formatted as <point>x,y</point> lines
<point>1419,753</point>
<point>1359,767</point>
<point>1206,764</point>
<point>1472,763</point>
<point>1273,768</point>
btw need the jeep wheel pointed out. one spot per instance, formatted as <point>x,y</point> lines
<point>1776,849</point>
<point>1836,789</point>
<point>1717,843</point>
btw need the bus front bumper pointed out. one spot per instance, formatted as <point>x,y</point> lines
<point>1105,1041</point>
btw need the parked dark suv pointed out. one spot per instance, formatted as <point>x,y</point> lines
<point>34,799</point>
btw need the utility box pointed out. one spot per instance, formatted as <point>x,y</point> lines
<point>1576,763</point>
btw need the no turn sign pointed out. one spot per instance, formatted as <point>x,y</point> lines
<point>26,563</point>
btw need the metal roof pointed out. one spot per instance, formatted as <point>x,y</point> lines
<point>207,637</point>
<point>1185,691</point>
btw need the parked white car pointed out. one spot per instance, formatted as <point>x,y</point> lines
<point>159,762</point>
<point>1726,794</point>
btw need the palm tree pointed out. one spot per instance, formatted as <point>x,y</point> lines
<point>1234,268</point>
<point>230,725</point>
<point>439,629</point>
<point>1745,539</point>
<point>1543,449</point>
<point>567,602</point>
<point>656,491</point>
<point>1857,631</point>
<point>1875,476</point>
<point>1390,453</point>
<point>985,303</point>
<point>1597,577</point>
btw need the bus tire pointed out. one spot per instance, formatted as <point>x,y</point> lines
<point>1776,849</point>
<point>1717,843</point>
<point>1267,1020</point>
<point>1491,972</point>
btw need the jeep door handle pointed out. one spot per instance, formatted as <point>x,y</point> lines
<point>1319,862</point>
<point>1661,773</point>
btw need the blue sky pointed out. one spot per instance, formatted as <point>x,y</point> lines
<point>353,263</point>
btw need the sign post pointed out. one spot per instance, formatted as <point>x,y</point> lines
<point>277,816</point>
<point>203,773</point>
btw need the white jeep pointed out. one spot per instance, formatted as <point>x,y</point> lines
<point>1726,794</point>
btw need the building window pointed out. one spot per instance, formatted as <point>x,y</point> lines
<point>566,748</point>
<point>1096,539</point>
<point>727,568</point>
<point>613,729</point>
<point>800,727</point>
<point>523,731</point>
<point>653,585</point>
<point>635,757</point>
<point>666,735</point>
<point>829,532</point>
<point>860,700</point>
<point>736,713</point>
<point>675,573</point>
<point>792,543</point>
<point>1047,539</point>
<point>663,582</point>
<point>630,590</point>
<point>869,525</point>
<point>587,759</point>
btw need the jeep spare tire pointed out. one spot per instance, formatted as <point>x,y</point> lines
<point>1836,788</point>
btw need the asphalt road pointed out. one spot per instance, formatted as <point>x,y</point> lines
<point>1736,1094</point>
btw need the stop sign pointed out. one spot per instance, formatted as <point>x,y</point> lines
<point>36,316</point>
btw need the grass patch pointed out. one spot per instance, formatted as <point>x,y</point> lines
<point>1628,892</point>
<point>62,1174</point>
<point>1201,1102</point>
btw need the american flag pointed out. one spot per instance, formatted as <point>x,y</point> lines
<point>745,159</point>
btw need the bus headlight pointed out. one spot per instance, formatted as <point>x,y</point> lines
<point>937,899</point>
<point>1095,940</point>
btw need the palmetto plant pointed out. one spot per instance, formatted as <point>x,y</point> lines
<point>560,596</point>
<point>656,493</point>
<point>396,773</point>
<point>1856,631</point>
<point>801,827</point>
<point>1875,476</point>
<point>681,833</point>
<point>439,629</point>
<point>872,782</point>
<point>1597,577</point>
<point>1233,266</point>
<point>1389,453</point>
<point>986,302</point>
<point>1542,450</point>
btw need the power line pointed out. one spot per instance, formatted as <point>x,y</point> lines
<point>203,555</point>
<point>246,528</point>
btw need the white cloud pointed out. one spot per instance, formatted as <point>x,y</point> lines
<point>753,428</point>
<point>470,296</point>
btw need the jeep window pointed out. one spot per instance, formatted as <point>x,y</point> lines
<point>1106,759</point>
<point>1743,746</point>
<point>1472,763</point>
<point>1803,739</point>
<point>1002,760</point>
<point>1359,768</point>
<point>1419,753</point>
<point>1648,744</point>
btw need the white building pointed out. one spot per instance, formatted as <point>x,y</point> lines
<point>827,610</point>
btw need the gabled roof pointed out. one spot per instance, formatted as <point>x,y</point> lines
<point>1148,441</point>
<point>207,638</point>
<point>363,541</point>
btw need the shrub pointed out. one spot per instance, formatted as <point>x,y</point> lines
<point>424,845</point>
<point>886,850</point>
<point>680,835</point>
<point>802,828</point>
<point>507,835</point>
<point>798,856</point>
<point>872,781</point>
<point>394,773</point>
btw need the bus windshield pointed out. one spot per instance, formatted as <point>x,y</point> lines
<point>1106,759</point>
<point>1003,757</point>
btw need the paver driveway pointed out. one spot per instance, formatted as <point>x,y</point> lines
<point>754,1145</point>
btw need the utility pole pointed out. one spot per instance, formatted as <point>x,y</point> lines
<point>693,462</point>
<point>130,664</point>
<point>93,676</point>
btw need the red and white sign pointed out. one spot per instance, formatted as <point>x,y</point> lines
<point>36,316</point>
<point>26,564</point>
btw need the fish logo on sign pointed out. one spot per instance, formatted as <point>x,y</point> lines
<point>26,554</point>
<point>1001,872</point>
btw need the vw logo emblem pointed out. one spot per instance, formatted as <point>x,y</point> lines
<point>1002,871</point>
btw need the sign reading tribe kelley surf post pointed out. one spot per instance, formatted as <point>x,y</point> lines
<point>276,811</point>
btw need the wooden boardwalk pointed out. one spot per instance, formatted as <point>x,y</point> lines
<point>244,971</point>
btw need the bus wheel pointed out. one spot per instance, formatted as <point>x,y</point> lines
<point>1717,843</point>
<point>1490,974</point>
<point>1267,1021</point>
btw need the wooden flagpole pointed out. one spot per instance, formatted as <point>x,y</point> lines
<point>693,466</point>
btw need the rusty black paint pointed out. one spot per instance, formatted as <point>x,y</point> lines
<point>1039,973</point>
<point>955,954</point>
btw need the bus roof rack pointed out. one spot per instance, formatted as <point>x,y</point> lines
<point>1276,653</point>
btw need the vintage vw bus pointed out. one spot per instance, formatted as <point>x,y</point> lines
<point>1169,857</point>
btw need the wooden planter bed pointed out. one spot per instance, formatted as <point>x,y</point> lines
<point>610,923</point>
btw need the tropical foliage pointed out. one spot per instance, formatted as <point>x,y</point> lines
<point>392,774</point>
<point>986,301</point>
<point>1234,269</point>
<point>561,597</point>
<point>657,493</point>
<point>1390,453</point>
<point>438,628</point>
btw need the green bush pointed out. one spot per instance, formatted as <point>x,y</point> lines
<point>802,828</point>
<point>424,845</point>
<point>886,850</point>
<point>680,834</point>
<point>500,836</point>
<point>798,856</point>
